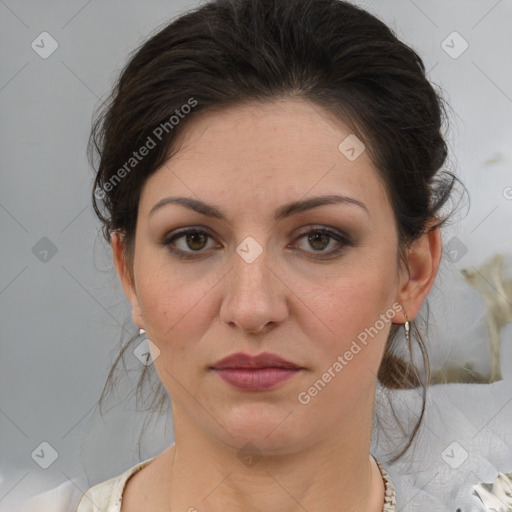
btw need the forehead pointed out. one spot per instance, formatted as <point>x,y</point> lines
<point>266,153</point>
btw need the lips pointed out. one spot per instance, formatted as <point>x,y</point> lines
<point>264,360</point>
<point>255,373</point>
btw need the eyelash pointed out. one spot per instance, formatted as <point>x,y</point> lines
<point>179,253</point>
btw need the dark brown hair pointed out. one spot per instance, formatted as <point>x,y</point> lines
<point>328,52</point>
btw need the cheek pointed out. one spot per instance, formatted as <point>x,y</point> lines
<point>176,307</point>
<point>347,310</point>
<point>177,312</point>
<point>348,355</point>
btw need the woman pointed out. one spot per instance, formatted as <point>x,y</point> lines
<point>270,177</point>
<point>270,181</point>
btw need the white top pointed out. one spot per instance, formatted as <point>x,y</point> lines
<point>107,496</point>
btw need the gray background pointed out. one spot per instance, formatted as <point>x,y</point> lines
<point>61,319</point>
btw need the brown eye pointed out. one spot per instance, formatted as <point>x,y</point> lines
<point>192,241</point>
<point>322,238</point>
<point>318,240</point>
<point>196,240</point>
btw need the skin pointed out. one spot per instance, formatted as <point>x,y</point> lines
<point>248,161</point>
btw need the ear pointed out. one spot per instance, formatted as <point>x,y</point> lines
<point>424,258</point>
<point>126,278</point>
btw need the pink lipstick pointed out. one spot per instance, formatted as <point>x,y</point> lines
<point>255,373</point>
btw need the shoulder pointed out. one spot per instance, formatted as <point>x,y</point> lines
<point>68,497</point>
<point>100,496</point>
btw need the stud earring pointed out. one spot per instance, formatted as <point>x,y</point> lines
<point>141,332</point>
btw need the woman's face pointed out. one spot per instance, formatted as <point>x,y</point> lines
<point>248,280</point>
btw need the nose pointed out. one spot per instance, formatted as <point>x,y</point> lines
<point>255,299</point>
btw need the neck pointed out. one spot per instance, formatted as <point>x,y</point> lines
<point>331,474</point>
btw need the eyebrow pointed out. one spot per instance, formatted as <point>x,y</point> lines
<point>284,211</point>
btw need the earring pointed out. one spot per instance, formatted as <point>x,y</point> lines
<point>141,332</point>
<point>407,327</point>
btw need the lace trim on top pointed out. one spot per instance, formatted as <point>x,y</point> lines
<point>389,499</point>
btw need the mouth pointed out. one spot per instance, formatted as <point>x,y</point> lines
<point>255,373</point>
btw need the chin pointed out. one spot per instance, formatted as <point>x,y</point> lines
<point>270,428</point>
